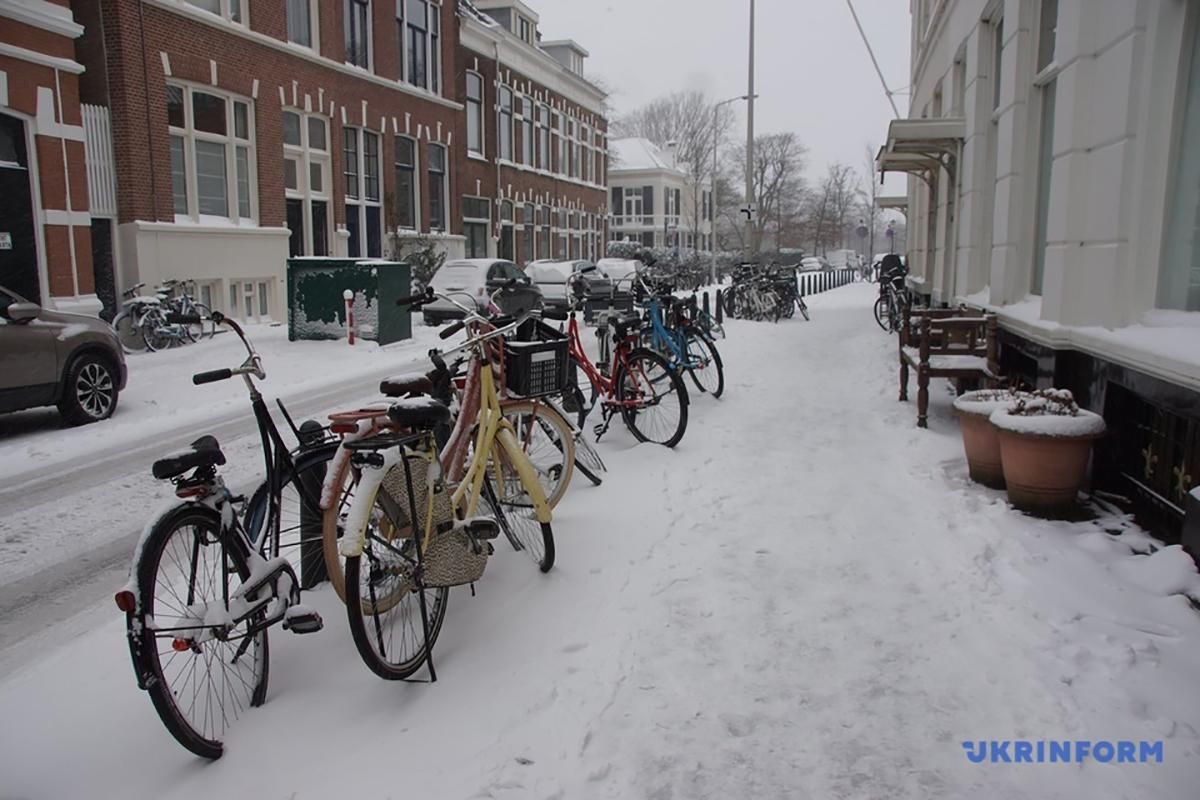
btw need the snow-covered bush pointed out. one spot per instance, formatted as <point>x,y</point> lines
<point>1048,412</point>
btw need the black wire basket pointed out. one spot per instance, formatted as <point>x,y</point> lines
<point>536,362</point>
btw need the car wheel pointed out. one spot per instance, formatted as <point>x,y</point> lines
<point>89,390</point>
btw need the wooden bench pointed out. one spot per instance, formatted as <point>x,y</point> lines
<point>956,343</point>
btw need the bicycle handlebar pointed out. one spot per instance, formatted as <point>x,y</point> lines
<point>212,376</point>
<point>449,331</point>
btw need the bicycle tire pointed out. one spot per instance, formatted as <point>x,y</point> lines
<point>715,370</point>
<point>803,306</point>
<point>128,333</point>
<point>881,314</point>
<point>369,638</point>
<point>148,658</point>
<point>677,389</point>
<point>521,528</point>
<point>152,325</point>
<point>587,460</point>
<point>301,519</point>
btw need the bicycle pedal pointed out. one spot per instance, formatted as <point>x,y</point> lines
<point>302,619</point>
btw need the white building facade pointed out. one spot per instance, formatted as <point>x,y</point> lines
<point>653,199</point>
<point>1054,154</point>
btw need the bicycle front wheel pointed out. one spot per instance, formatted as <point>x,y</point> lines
<point>709,376</point>
<point>652,398</point>
<point>803,306</point>
<point>200,677</point>
<point>520,526</point>
<point>154,332</point>
<point>383,600</point>
<point>881,313</point>
<point>128,333</point>
<point>548,441</point>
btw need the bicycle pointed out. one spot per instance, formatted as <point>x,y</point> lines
<point>632,380</point>
<point>671,334</point>
<point>376,521</point>
<point>184,304</point>
<point>204,590</point>
<point>893,295</point>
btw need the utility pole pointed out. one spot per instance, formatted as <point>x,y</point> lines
<point>749,244</point>
<point>712,188</point>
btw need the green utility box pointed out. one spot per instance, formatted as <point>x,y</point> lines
<point>317,308</point>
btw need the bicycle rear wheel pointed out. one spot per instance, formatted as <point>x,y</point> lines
<point>549,442</point>
<point>881,313</point>
<point>128,333</point>
<point>587,460</point>
<point>154,331</point>
<point>198,682</point>
<point>383,604</point>
<point>652,398</point>
<point>803,306</point>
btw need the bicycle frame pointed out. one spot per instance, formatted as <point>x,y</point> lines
<point>672,341</point>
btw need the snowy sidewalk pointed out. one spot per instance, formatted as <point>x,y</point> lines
<point>807,599</point>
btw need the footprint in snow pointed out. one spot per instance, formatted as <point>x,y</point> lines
<point>574,648</point>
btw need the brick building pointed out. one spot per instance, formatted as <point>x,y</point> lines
<point>534,138</point>
<point>45,241</point>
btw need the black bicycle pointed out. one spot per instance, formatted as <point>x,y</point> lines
<point>206,583</point>
<point>893,294</point>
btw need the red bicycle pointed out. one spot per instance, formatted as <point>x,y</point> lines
<point>637,383</point>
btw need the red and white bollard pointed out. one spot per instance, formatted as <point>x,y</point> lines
<point>349,298</point>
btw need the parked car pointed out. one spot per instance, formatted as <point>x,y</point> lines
<point>554,279</point>
<point>620,271</point>
<point>815,264</point>
<point>53,358</point>
<point>473,280</point>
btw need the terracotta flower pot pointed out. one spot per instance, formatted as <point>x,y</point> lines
<point>1045,459</point>
<point>980,442</point>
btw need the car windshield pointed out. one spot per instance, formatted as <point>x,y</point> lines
<point>455,276</point>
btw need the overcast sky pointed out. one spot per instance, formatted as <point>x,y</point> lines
<point>813,75</point>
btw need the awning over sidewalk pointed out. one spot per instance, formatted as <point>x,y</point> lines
<point>898,202</point>
<point>920,146</point>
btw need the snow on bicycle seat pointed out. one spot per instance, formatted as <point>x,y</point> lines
<point>407,384</point>
<point>204,452</point>
<point>419,412</point>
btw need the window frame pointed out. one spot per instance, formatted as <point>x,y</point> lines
<point>226,11</point>
<point>415,169</point>
<point>314,27</point>
<point>231,143</point>
<point>1169,286</point>
<point>543,137</point>
<point>307,156</point>
<point>443,186</point>
<point>348,39</point>
<point>504,122</point>
<point>431,35</point>
<point>473,224</point>
<point>474,109</point>
<point>526,119</point>
<point>361,201</point>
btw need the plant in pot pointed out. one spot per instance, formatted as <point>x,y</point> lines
<point>980,441</point>
<point>1045,443</point>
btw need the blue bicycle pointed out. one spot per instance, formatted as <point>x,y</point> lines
<point>673,333</point>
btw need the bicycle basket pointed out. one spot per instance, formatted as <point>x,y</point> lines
<point>451,557</point>
<point>535,360</point>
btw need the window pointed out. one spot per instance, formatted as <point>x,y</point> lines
<point>418,30</point>
<point>364,211</point>
<point>406,183</point>
<point>1179,281</point>
<point>228,9</point>
<point>358,33</point>
<point>1048,89</point>
<point>506,249</point>
<point>543,219</point>
<point>301,14</point>
<point>526,30</point>
<point>437,188</point>
<point>527,234</point>
<point>306,170</point>
<point>647,205</point>
<point>573,149</point>
<point>527,131</point>
<point>543,142</point>
<point>558,145</point>
<point>506,124</point>
<point>618,204</point>
<point>634,201</point>
<point>476,223</point>
<point>475,112</point>
<point>213,171</point>
<point>997,60</point>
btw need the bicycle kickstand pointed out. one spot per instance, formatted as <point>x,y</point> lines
<point>601,428</point>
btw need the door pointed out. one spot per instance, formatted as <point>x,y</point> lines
<point>18,245</point>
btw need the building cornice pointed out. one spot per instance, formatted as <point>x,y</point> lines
<point>42,14</point>
<point>191,12</point>
<point>531,62</point>
<point>33,56</point>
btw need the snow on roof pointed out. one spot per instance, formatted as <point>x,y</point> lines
<point>637,153</point>
<point>467,8</point>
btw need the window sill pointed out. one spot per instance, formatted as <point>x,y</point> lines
<point>477,157</point>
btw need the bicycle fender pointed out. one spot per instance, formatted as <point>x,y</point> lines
<point>355,536</point>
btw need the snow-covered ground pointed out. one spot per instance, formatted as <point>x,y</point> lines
<point>806,599</point>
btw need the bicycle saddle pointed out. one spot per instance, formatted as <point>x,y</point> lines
<point>410,384</point>
<point>626,324</point>
<point>204,452</point>
<point>419,412</point>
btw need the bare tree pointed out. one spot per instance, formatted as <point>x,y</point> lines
<point>872,213</point>
<point>778,175</point>
<point>694,124</point>
<point>841,183</point>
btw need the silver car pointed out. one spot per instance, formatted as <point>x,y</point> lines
<point>53,358</point>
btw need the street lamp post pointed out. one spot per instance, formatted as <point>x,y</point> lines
<point>712,188</point>
<point>749,245</point>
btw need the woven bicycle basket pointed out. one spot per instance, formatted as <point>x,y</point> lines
<point>450,559</point>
